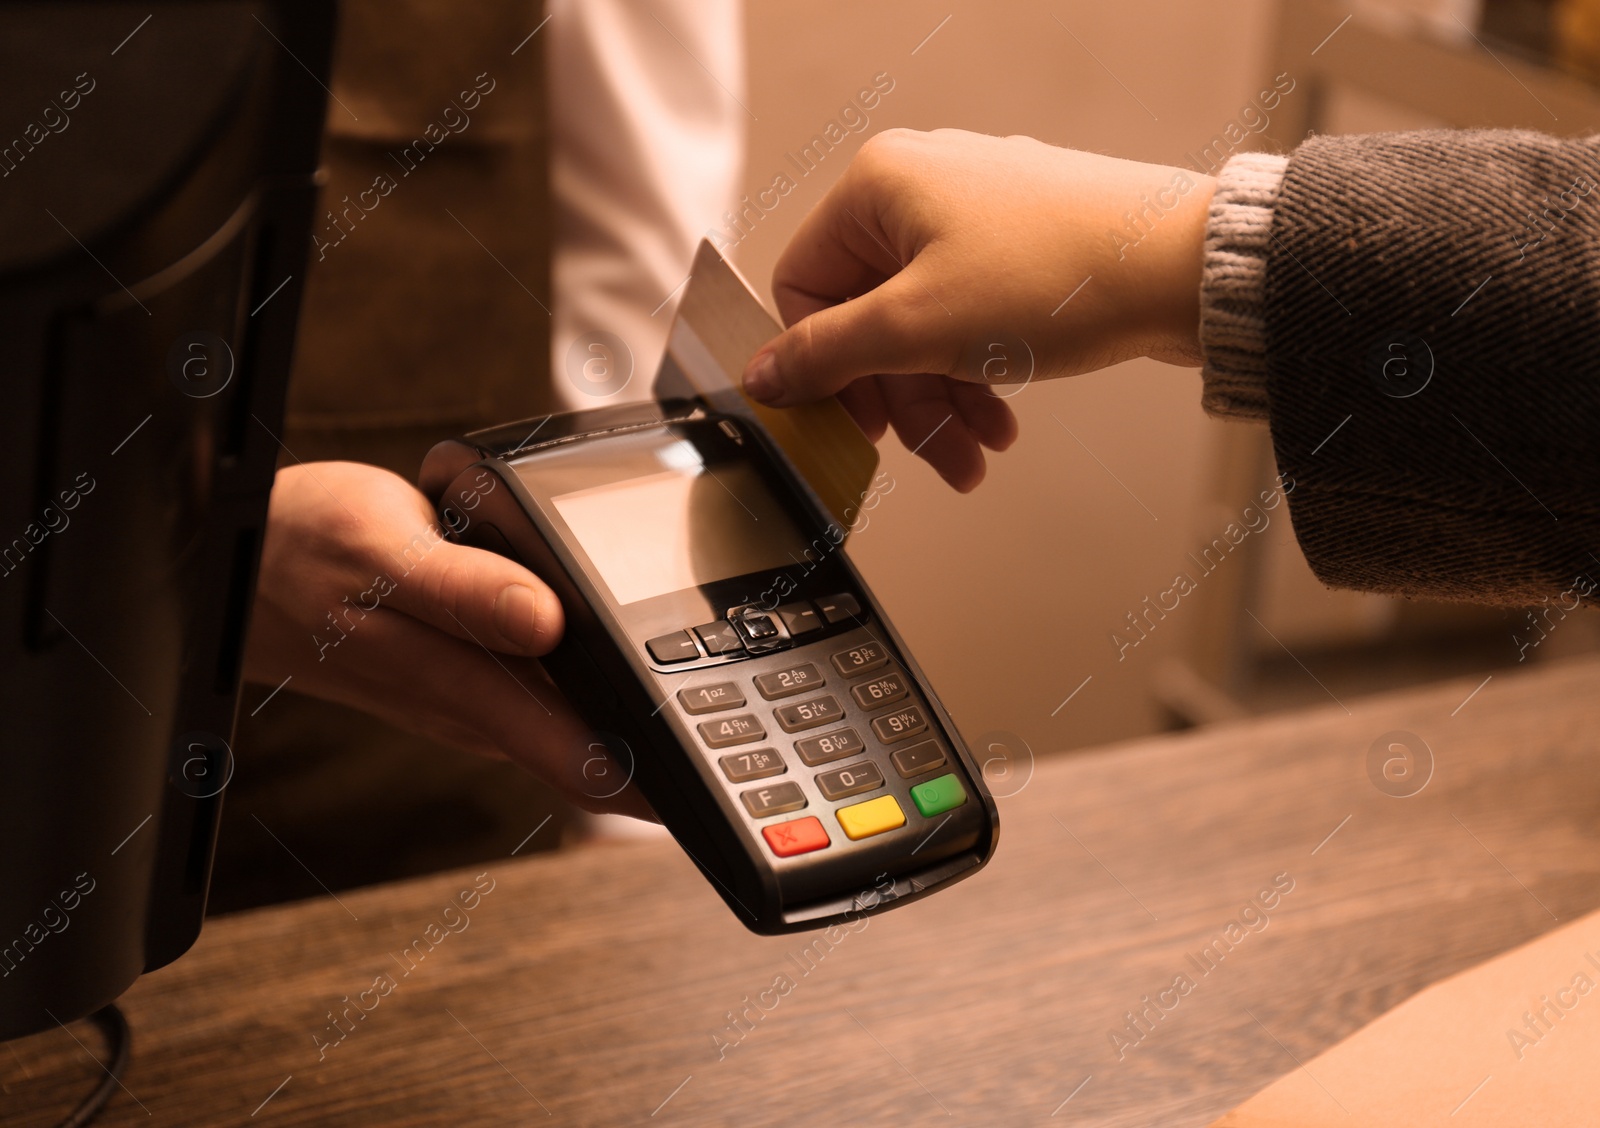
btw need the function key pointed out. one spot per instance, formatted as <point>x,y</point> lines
<point>861,659</point>
<point>884,690</point>
<point>797,836</point>
<point>778,799</point>
<point>783,683</point>
<point>800,618</point>
<point>838,608</point>
<point>674,647</point>
<point>711,698</point>
<point>875,816</point>
<point>853,780</point>
<point>830,746</point>
<point>939,795</point>
<point>758,763</point>
<point>917,759</point>
<point>719,637</point>
<point>757,626</point>
<point>900,725</point>
<point>822,710</point>
<point>742,729</point>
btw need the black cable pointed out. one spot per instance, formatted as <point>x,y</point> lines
<point>114,1026</point>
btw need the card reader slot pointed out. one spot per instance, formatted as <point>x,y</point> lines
<point>883,891</point>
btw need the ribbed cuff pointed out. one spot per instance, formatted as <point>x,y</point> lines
<point>1233,323</point>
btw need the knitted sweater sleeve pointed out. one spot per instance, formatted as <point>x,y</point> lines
<point>1417,316</point>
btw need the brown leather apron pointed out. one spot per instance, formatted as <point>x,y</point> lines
<point>427,306</point>
<point>425,315</point>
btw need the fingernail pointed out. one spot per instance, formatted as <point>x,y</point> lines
<point>516,616</point>
<point>761,378</point>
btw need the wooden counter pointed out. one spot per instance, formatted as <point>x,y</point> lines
<point>593,987</point>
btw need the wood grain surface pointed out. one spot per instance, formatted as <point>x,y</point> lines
<point>590,987</point>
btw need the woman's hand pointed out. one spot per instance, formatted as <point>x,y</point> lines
<point>361,601</point>
<point>944,262</point>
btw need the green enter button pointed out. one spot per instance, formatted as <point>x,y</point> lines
<point>938,795</point>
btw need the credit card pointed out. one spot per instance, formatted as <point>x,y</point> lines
<point>719,326</point>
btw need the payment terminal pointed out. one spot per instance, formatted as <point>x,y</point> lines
<point>723,647</point>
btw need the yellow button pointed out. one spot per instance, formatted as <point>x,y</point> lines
<point>872,817</point>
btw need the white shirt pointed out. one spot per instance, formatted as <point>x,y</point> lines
<point>647,153</point>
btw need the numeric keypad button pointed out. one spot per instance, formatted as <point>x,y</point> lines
<point>830,746</point>
<point>757,763</point>
<point>786,683</point>
<point>885,689</point>
<point>710,698</point>
<point>902,724</point>
<point>861,659</point>
<point>824,710</point>
<point>727,731</point>
<point>850,780</point>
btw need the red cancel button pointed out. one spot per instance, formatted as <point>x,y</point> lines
<point>797,836</point>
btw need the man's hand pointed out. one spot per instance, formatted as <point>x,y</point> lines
<point>363,602</point>
<point>944,262</point>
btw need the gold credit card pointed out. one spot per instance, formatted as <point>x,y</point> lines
<point>720,325</point>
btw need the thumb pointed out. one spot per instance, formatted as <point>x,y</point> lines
<point>895,328</point>
<point>475,595</point>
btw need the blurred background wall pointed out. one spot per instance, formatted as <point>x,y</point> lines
<point>1011,595</point>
